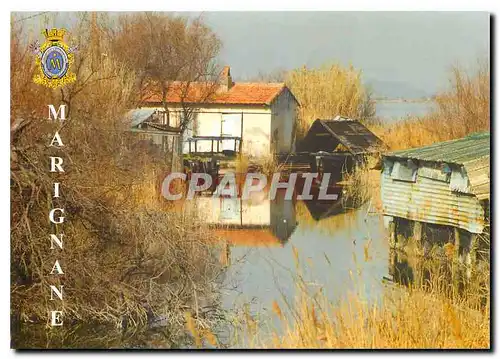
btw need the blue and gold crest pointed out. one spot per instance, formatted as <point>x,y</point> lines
<point>54,59</point>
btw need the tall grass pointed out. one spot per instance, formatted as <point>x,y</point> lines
<point>360,185</point>
<point>328,91</point>
<point>432,314</point>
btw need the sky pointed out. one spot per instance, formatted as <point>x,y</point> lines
<point>406,50</point>
<point>400,53</point>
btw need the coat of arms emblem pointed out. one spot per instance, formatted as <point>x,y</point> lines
<point>54,58</point>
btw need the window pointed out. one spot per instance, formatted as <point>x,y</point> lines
<point>459,182</point>
<point>436,174</point>
<point>402,172</point>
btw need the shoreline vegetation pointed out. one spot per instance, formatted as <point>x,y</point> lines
<point>403,100</point>
<point>133,261</point>
<point>128,261</point>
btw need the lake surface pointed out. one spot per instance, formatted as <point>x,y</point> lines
<point>340,250</point>
<point>394,111</point>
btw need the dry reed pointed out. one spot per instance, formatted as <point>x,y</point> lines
<point>329,91</point>
<point>127,259</point>
<point>430,315</point>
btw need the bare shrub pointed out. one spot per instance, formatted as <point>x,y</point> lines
<point>127,259</point>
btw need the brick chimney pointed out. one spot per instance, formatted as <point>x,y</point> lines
<point>226,81</point>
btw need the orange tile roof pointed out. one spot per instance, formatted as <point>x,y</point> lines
<point>249,237</point>
<point>244,93</point>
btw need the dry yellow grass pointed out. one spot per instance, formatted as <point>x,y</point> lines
<point>129,260</point>
<point>432,315</point>
<point>414,132</point>
<point>326,92</point>
<point>414,319</point>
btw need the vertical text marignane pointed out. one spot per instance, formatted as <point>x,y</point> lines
<point>56,218</point>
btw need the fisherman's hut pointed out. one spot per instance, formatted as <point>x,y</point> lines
<point>439,194</point>
<point>336,145</point>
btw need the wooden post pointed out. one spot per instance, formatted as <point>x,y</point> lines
<point>417,231</point>
<point>456,232</point>
<point>393,259</point>
<point>417,235</point>
<point>241,129</point>
<point>212,149</point>
<point>195,146</point>
<point>218,146</point>
<point>392,234</point>
<point>313,164</point>
<point>174,149</point>
<point>472,250</point>
<point>456,268</point>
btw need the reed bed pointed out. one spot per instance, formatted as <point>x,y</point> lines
<point>431,313</point>
<point>129,259</point>
<point>328,91</point>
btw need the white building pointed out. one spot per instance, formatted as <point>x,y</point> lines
<point>260,116</point>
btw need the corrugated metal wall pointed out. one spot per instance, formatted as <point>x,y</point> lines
<point>431,201</point>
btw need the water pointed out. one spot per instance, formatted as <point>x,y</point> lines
<point>329,258</point>
<point>394,111</point>
<point>344,252</point>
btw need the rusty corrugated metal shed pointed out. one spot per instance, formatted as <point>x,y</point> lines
<point>327,135</point>
<point>471,152</point>
<point>431,201</point>
<point>442,184</point>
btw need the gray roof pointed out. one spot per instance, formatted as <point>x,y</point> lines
<point>352,134</point>
<point>139,115</point>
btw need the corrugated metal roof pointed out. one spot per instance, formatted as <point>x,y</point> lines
<point>352,134</point>
<point>461,151</point>
<point>471,152</point>
<point>478,172</point>
<point>139,115</point>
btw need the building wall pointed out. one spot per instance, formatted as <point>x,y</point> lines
<point>208,122</point>
<point>424,194</point>
<point>284,116</point>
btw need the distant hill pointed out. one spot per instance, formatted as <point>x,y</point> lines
<point>396,89</point>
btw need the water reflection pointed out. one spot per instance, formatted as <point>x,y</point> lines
<point>340,249</point>
<point>256,221</point>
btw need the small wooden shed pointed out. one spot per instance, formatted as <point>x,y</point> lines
<point>336,145</point>
<point>340,134</point>
<point>444,185</point>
